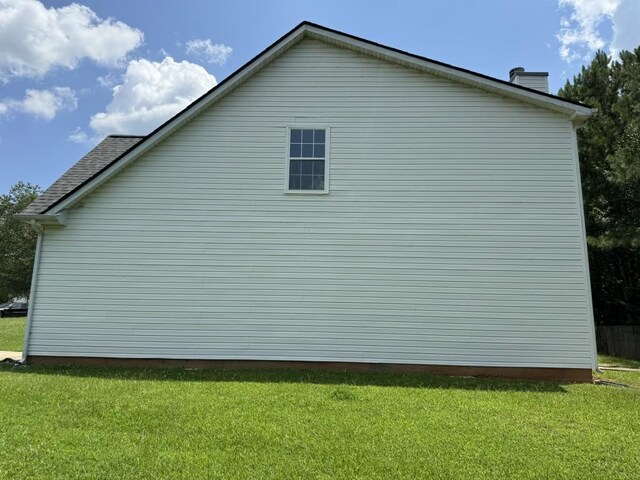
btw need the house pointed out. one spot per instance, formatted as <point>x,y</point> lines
<point>335,203</point>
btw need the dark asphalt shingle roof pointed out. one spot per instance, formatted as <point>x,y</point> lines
<point>102,155</point>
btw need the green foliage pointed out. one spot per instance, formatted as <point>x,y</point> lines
<point>17,242</point>
<point>130,424</point>
<point>609,148</point>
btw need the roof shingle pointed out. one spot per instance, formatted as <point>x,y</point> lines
<point>102,155</point>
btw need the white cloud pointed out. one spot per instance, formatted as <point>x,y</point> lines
<point>217,53</point>
<point>626,27</point>
<point>43,104</point>
<point>579,36</point>
<point>34,39</point>
<point>108,80</point>
<point>78,136</point>
<point>580,33</point>
<point>46,103</point>
<point>151,93</point>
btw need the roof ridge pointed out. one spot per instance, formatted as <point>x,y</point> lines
<point>124,135</point>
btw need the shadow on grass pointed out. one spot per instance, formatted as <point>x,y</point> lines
<point>408,380</point>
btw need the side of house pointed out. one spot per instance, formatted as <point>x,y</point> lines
<point>450,232</point>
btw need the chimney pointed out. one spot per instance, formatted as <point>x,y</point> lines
<point>535,80</point>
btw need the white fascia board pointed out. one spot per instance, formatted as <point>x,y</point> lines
<point>487,84</point>
<point>43,219</point>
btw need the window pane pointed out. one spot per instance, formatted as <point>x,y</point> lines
<point>318,182</point>
<point>306,182</point>
<point>308,145</point>
<point>296,150</point>
<point>294,167</point>
<point>307,167</point>
<point>307,136</point>
<point>307,150</point>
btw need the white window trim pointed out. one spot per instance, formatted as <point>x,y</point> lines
<point>327,163</point>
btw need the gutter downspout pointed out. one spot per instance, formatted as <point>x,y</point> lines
<point>32,292</point>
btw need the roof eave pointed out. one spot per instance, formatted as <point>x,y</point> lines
<point>43,219</point>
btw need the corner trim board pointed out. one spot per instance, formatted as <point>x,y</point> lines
<point>585,248</point>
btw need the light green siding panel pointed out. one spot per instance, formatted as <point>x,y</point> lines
<point>451,235</point>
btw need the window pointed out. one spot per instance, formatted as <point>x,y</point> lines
<point>307,160</point>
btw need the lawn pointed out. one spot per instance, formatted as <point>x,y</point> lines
<point>131,423</point>
<point>620,362</point>
<point>12,333</point>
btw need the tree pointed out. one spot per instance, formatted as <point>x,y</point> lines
<point>17,242</point>
<point>609,147</point>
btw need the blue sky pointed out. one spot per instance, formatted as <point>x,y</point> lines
<point>72,73</point>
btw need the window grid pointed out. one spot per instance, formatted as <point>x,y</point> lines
<point>307,151</point>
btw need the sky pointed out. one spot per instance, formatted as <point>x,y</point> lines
<point>72,73</point>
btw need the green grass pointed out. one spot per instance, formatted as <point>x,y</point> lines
<point>118,423</point>
<point>60,422</point>
<point>12,333</point>
<point>617,361</point>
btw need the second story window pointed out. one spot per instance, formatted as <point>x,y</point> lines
<point>307,160</point>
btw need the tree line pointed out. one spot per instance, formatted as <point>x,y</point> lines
<point>17,242</point>
<point>609,149</point>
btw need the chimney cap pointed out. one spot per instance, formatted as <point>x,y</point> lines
<point>515,70</point>
<point>521,72</point>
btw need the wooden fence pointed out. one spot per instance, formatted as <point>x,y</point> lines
<point>619,340</point>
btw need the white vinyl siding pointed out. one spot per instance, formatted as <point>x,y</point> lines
<point>451,236</point>
<point>536,82</point>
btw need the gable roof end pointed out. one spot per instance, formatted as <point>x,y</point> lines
<point>115,153</point>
